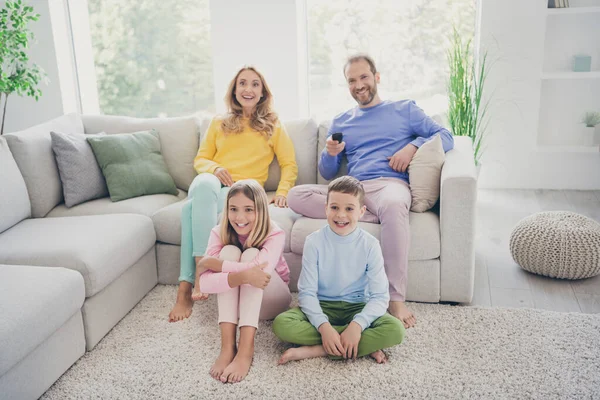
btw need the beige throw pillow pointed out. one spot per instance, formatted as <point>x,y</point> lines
<point>424,173</point>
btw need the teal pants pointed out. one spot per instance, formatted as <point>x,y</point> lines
<point>206,199</point>
<point>294,327</point>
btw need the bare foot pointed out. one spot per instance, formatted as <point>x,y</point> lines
<point>237,370</point>
<point>183,306</point>
<point>399,310</point>
<point>300,353</point>
<point>379,356</point>
<point>221,363</point>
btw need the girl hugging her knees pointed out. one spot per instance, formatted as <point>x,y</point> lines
<point>244,265</point>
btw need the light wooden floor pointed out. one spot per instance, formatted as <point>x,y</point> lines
<point>499,281</point>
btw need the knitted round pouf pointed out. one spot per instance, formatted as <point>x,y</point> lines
<point>557,244</point>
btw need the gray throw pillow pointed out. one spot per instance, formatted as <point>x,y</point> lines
<point>132,164</point>
<point>81,177</point>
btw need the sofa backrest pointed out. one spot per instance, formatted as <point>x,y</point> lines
<point>32,150</point>
<point>303,133</point>
<point>14,200</point>
<point>179,139</point>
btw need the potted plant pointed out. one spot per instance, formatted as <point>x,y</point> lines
<point>591,119</point>
<point>466,112</point>
<point>16,73</point>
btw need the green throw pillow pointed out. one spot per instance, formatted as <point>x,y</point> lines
<point>132,164</point>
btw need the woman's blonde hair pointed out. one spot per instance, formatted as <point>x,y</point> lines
<point>263,118</point>
<point>262,225</point>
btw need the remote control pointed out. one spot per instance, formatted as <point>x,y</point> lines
<point>337,136</point>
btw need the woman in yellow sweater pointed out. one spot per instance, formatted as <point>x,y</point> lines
<point>240,145</point>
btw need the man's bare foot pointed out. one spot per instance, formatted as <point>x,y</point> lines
<point>399,310</point>
<point>184,303</point>
<point>300,353</point>
<point>221,363</point>
<point>379,356</point>
<point>237,370</point>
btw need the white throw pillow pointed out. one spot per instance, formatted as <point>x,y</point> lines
<point>424,173</point>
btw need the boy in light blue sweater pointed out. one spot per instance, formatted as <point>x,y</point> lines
<point>343,288</point>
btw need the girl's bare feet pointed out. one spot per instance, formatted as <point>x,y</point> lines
<point>224,359</point>
<point>379,356</point>
<point>237,370</point>
<point>183,306</point>
<point>300,353</point>
<point>198,295</point>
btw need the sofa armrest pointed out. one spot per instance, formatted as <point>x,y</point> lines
<point>458,195</point>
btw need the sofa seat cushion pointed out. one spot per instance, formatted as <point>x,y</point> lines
<point>28,317</point>
<point>144,205</point>
<point>14,200</point>
<point>424,234</point>
<point>100,247</point>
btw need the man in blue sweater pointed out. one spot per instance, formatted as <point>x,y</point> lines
<point>380,139</point>
<point>343,290</point>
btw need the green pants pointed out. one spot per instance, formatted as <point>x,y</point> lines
<point>293,326</point>
<point>206,199</point>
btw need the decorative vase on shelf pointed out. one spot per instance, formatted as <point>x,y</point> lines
<point>582,63</point>
<point>587,136</point>
<point>596,135</point>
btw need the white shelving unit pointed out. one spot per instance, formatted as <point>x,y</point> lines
<point>566,95</point>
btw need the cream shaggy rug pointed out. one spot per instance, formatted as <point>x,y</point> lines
<point>454,352</point>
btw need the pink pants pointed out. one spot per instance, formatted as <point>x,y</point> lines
<point>388,202</point>
<point>245,305</point>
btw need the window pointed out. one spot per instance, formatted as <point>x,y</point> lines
<point>407,39</point>
<point>152,58</point>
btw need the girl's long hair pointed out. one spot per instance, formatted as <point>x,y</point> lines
<point>262,225</point>
<point>263,118</point>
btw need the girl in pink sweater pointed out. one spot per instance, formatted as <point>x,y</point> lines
<point>244,265</point>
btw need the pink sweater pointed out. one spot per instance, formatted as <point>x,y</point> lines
<point>271,253</point>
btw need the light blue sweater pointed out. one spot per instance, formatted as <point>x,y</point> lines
<point>343,268</point>
<point>372,134</point>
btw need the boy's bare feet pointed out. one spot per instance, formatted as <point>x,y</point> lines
<point>399,310</point>
<point>222,362</point>
<point>183,306</point>
<point>379,356</point>
<point>300,353</point>
<point>237,370</point>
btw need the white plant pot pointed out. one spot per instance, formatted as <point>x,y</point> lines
<point>587,136</point>
<point>596,136</point>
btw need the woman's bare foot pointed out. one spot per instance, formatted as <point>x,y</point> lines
<point>399,310</point>
<point>300,353</point>
<point>237,370</point>
<point>379,356</point>
<point>183,306</point>
<point>222,362</point>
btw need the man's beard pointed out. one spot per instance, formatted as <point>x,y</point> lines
<point>372,91</point>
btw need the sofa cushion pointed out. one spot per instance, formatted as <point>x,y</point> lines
<point>80,174</point>
<point>303,134</point>
<point>132,164</point>
<point>32,149</point>
<point>143,205</point>
<point>323,129</point>
<point>28,317</point>
<point>167,223</point>
<point>100,247</point>
<point>285,219</point>
<point>179,139</point>
<point>14,200</point>
<point>424,172</point>
<point>424,234</point>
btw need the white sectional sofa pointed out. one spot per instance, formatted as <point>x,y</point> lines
<point>113,253</point>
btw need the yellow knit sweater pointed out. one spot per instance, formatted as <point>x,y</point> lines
<point>247,155</point>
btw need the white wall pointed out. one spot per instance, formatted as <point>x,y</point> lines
<point>23,112</point>
<point>265,34</point>
<point>513,32</point>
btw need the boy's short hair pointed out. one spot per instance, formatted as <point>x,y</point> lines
<point>349,185</point>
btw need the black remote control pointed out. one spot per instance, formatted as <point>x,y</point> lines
<point>337,136</point>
